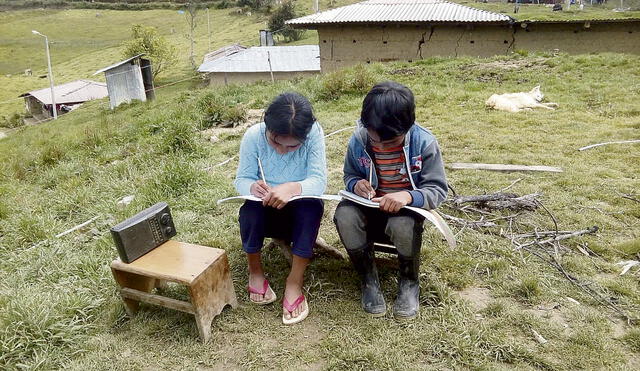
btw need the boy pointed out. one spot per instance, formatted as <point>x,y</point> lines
<point>404,164</point>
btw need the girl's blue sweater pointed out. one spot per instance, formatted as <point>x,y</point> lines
<point>306,165</point>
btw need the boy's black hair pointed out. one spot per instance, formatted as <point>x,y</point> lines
<point>389,110</point>
<point>290,114</point>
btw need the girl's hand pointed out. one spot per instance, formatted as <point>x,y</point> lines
<point>363,189</point>
<point>278,196</point>
<point>259,189</point>
<point>393,202</point>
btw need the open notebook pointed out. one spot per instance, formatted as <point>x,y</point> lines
<point>430,215</point>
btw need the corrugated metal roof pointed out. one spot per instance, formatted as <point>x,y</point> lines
<point>117,64</point>
<point>402,11</point>
<point>224,51</point>
<point>256,59</point>
<point>72,92</point>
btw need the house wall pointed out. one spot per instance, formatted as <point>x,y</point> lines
<point>579,38</point>
<point>342,46</point>
<point>218,78</point>
<point>124,84</point>
<point>34,106</point>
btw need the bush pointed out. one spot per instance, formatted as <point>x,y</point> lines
<point>12,121</point>
<point>264,5</point>
<point>358,81</point>
<point>276,23</point>
<point>217,112</point>
<point>179,136</point>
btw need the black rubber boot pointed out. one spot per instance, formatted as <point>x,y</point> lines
<point>408,301</point>
<point>372,298</point>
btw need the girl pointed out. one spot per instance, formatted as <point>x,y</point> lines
<point>279,159</point>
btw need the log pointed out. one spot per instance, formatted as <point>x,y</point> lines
<point>501,167</point>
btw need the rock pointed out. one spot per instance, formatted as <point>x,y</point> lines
<point>126,200</point>
<point>214,139</point>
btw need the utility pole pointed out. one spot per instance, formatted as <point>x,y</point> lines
<point>53,96</point>
<point>208,30</point>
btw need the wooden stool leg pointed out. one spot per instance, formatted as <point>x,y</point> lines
<point>133,281</point>
<point>210,293</point>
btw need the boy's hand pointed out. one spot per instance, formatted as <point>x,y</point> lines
<point>364,189</point>
<point>393,202</point>
<point>259,189</point>
<point>278,196</point>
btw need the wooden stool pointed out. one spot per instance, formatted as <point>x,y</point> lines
<point>204,270</point>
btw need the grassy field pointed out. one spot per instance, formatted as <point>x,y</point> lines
<point>541,12</point>
<point>59,307</point>
<point>83,41</point>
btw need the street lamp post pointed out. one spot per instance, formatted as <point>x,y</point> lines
<point>53,96</point>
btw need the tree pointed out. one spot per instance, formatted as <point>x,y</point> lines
<point>283,13</point>
<point>147,40</point>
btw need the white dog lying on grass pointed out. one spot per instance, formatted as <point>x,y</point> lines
<point>516,102</point>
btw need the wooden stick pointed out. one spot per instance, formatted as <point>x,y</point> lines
<point>607,143</point>
<point>76,227</point>
<point>501,167</point>
<point>338,131</point>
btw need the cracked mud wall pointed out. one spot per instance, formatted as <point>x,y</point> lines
<point>343,46</point>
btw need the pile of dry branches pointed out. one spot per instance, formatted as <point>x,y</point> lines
<point>486,214</point>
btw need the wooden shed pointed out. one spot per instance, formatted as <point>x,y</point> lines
<point>127,80</point>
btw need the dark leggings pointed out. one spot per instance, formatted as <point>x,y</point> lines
<point>298,223</point>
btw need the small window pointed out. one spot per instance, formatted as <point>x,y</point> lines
<point>472,42</point>
<point>324,41</point>
<point>384,42</point>
<point>354,41</point>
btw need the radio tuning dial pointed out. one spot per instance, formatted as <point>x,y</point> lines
<point>165,219</point>
<point>168,230</point>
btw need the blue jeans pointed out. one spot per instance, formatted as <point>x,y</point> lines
<point>298,223</point>
<point>361,226</point>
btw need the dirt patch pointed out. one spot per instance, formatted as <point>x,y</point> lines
<point>550,312</point>
<point>512,65</point>
<point>407,71</point>
<point>479,297</point>
<point>213,134</point>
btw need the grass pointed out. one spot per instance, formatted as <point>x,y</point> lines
<point>59,306</point>
<point>541,12</point>
<point>85,40</point>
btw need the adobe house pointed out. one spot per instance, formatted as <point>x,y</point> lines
<point>407,30</point>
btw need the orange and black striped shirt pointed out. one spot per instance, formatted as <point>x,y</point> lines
<point>391,169</point>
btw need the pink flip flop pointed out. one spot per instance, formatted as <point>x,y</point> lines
<point>291,307</point>
<point>265,289</point>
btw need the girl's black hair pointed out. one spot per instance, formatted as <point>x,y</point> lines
<point>290,114</point>
<point>389,110</point>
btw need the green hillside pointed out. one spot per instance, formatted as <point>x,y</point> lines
<point>481,302</point>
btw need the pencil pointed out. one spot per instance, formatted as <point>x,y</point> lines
<point>261,171</point>
<point>370,178</point>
